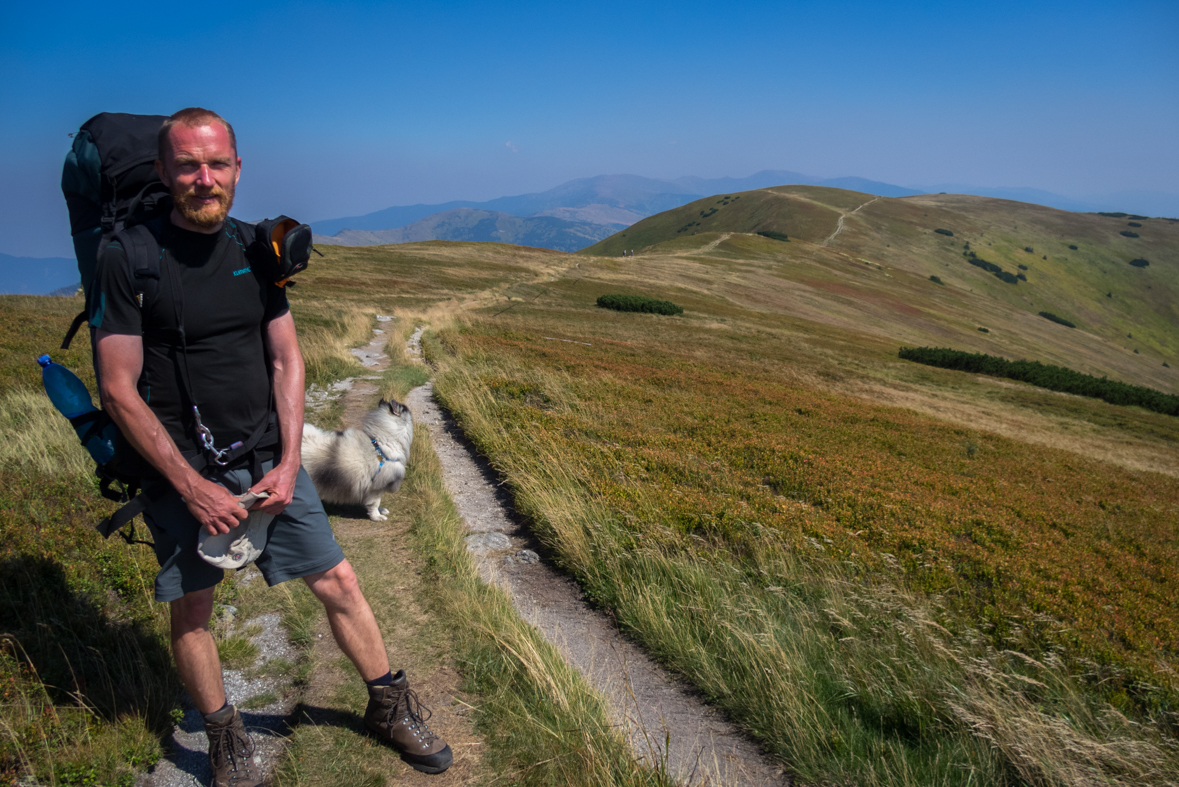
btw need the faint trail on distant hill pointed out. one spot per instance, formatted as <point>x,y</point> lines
<point>715,243</point>
<point>664,720</point>
<point>839,226</point>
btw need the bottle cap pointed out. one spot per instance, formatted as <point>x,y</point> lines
<point>44,361</point>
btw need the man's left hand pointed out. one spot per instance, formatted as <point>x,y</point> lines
<point>280,484</point>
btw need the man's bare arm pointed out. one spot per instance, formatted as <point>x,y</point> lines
<point>287,361</point>
<point>120,362</point>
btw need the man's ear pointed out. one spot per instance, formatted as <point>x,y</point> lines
<point>163,173</point>
<point>239,171</point>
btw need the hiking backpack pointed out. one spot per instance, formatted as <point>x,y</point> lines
<point>111,188</point>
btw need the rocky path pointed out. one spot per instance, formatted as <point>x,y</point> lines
<point>663,719</point>
<point>839,226</point>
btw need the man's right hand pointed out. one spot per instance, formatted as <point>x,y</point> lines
<point>214,507</point>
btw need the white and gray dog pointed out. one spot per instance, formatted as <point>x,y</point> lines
<point>359,465</point>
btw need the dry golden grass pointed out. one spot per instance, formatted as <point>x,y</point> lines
<point>37,439</point>
<point>1150,453</point>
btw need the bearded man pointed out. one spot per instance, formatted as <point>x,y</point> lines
<point>212,362</point>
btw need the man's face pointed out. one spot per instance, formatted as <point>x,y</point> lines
<point>201,171</point>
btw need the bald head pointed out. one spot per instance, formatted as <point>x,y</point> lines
<point>193,117</point>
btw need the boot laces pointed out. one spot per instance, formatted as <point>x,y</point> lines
<point>231,743</point>
<point>413,718</point>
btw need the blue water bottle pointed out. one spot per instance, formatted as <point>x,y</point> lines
<point>70,397</point>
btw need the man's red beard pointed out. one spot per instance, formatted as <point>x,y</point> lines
<point>204,215</point>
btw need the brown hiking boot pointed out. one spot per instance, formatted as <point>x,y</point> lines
<point>231,753</point>
<point>394,715</point>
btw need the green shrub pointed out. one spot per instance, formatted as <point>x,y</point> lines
<point>984,330</point>
<point>1140,262</point>
<point>1054,378</point>
<point>944,232</point>
<point>1023,267</point>
<point>1129,234</point>
<point>1133,224</point>
<point>936,280</point>
<point>638,303</point>
<point>990,267</point>
<point>1055,319</point>
<point>1114,215</point>
<point>1074,248</point>
<point>774,235</point>
<point>1029,249</point>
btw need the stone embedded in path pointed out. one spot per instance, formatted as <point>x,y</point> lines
<point>482,543</point>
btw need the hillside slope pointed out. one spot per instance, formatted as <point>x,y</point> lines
<point>859,247</point>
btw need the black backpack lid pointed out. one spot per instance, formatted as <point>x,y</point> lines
<point>124,140</point>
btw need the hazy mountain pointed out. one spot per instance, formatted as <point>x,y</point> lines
<point>623,198</point>
<point>620,200</point>
<point>37,275</point>
<point>547,232</point>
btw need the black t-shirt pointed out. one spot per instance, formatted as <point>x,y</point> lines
<point>225,306</point>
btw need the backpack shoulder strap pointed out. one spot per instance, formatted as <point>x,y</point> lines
<point>141,244</point>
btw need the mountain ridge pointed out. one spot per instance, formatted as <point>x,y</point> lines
<point>471,224</point>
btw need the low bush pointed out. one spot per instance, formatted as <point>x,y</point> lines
<point>1058,320</point>
<point>1140,262</point>
<point>984,330</point>
<point>990,267</point>
<point>936,280</point>
<point>940,231</point>
<point>1029,249</point>
<point>1074,248</point>
<point>1133,224</point>
<point>705,215</point>
<point>1054,378</point>
<point>774,235</point>
<point>638,303</point>
<point>1114,215</point>
<point>1022,267</point>
<point>1128,234</point>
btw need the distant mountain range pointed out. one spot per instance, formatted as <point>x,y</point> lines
<point>546,232</point>
<point>38,275</point>
<point>594,208</point>
<point>605,199</point>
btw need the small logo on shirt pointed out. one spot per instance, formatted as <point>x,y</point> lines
<point>243,270</point>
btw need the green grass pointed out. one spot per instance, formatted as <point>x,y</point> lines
<point>692,524</point>
<point>891,595</point>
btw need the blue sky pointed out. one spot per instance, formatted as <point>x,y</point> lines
<point>347,108</point>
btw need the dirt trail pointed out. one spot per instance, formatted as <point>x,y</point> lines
<point>842,216</point>
<point>715,243</point>
<point>663,719</point>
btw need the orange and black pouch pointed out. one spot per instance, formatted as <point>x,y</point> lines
<point>282,248</point>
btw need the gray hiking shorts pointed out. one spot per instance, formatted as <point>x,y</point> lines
<point>299,541</point>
